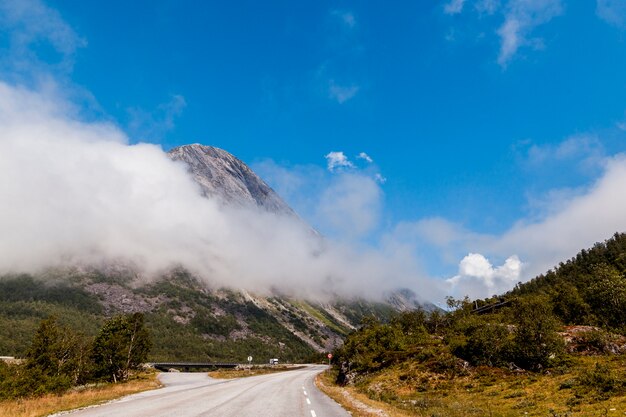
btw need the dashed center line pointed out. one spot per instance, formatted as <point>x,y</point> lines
<point>313,413</point>
<point>308,401</point>
<point>305,393</point>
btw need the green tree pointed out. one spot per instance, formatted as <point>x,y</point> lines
<point>607,295</point>
<point>42,354</point>
<point>122,345</point>
<point>569,305</point>
<point>59,352</point>
<point>481,342</point>
<point>536,340</point>
<point>374,346</point>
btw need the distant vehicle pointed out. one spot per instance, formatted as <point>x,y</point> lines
<point>273,361</point>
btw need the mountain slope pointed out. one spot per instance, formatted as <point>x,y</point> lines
<point>590,288</point>
<point>188,319</point>
<point>221,175</point>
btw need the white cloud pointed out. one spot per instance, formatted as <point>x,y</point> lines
<point>583,150</point>
<point>379,178</point>
<point>585,217</point>
<point>342,93</point>
<point>454,7</point>
<point>30,23</point>
<point>520,18</point>
<point>588,218</point>
<point>478,278</point>
<point>152,126</point>
<point>612,12</point>
<point>365,157</point>
<point>346,17</point>
<point>76,192</point>
<point>351,206</point>
<point>337,160</point>
<point>488,7</point>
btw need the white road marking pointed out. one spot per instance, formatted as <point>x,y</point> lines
<point>308,401</point>
<point>305,393</point>
<point>313,413</point>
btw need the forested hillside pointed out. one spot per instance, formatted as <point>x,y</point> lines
<point>590,288</point>
<point>188,321</point>
<point>555,344</point>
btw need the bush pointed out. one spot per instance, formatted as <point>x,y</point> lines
<point>536,342</point>
<point>482,343</point>
<point>595,341</point>
<point>601,379</point>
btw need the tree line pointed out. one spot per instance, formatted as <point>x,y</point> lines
<point>60,358</point>
<point>523,333</point>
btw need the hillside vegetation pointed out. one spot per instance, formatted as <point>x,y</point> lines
<point>188,321</point>
<point>552,346</point>
<point>59,358</point>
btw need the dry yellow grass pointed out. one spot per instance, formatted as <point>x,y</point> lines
<point>255,370</point>
<point>410,390</point>
<point>357,403</point>
<point>49,404</point>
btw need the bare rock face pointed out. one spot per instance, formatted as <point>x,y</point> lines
<point>221,175</point>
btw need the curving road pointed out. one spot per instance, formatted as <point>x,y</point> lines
<point>283,394</point>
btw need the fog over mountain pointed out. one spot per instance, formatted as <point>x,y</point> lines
<point>76,192</point>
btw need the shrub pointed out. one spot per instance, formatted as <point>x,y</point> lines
<point>601,379</point>
<point>482,343</point>
<point>536,343</point>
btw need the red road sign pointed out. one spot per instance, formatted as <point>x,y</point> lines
<point>330,355</point>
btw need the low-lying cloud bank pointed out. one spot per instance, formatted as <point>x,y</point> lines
<point>529,247</point>
<point>75,192</point>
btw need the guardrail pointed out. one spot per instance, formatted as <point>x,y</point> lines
<point>166,366</point>
<point>490,307</point>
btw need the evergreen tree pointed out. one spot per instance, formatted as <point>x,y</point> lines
<point>122,345</point>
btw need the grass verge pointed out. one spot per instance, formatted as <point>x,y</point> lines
<point>586,387</point>
<point>357,403</point>
<point>77,398</point>
<point>254,371</point>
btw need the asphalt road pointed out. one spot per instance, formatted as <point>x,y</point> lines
<point>283,394</point>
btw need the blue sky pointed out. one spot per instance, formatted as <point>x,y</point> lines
<point>482,116</point>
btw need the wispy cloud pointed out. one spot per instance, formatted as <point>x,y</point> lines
<point>347,17</point>
<point>30,23</point>
<point>454,7</point>
<point>153,125</point>
<point>337,160</point>
<point>521,17</point>
<point>343,51</point>
<point>519,20</point>
<point>342,93</point>
<point>487,7</point>
<point>590,215</point>
<point>350,205</point>
<point>582,151</point>
<point>343,201</point>
<point>365,157</point>
<point>612,12</point>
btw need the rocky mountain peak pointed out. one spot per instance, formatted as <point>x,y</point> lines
<point>222,175</point>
